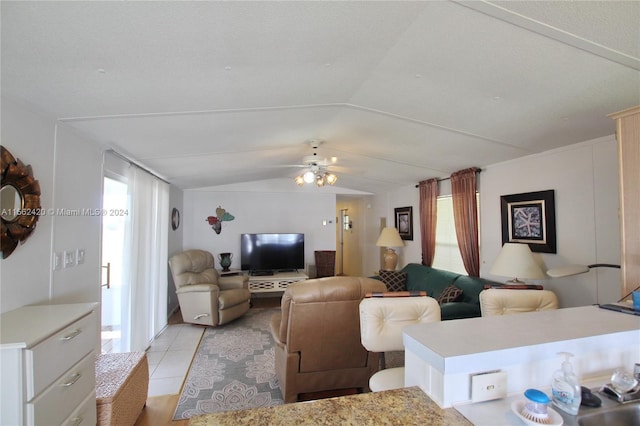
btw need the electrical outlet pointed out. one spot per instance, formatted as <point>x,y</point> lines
<point>69,258</point>
<point>80,256</point>
<point>488,385</point>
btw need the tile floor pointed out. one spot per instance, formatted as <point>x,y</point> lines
<point>170,356</point>
<point>171,353</point>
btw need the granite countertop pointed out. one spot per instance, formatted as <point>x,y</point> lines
<point>406,406</point>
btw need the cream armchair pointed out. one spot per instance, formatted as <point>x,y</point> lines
<point>206,298</point>
<point>382,320</point>
<point>495,301</point>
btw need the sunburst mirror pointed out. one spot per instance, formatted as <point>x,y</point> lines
<point>19,202</point>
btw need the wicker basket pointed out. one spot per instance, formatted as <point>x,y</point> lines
<point>122,382</point>
<point>325,263</point>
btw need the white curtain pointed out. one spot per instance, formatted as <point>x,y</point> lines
<point>145,259</point>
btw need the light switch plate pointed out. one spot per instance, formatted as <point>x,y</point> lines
<point>489,385</point>
<point>69,258</point>
<point>79,256</point>
<point>57,261</point>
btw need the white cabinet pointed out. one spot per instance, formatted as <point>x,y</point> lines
<point>47,363</point>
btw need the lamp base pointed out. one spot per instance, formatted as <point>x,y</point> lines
<point>390,260</point>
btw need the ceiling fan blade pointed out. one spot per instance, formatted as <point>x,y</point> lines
<point>276,166</point>
<point>341,169</point>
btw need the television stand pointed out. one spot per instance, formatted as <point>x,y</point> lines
<point>278,281</point>
<point>261,273</point>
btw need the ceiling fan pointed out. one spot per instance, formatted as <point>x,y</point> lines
<point>317,168</point>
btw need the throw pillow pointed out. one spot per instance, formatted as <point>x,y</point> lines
<point>449,294</point>
<point>394,280</point>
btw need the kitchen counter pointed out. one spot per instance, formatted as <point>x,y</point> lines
<point>406,406</point>
<point>442,357</point>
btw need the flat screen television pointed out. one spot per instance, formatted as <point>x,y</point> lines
<point>271,252</point>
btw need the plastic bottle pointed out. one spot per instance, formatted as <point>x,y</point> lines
<point>565,388</point>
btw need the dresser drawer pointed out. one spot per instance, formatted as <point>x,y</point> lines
<point>85,415</point>
<point>49,359</point>
<point>60,399</point>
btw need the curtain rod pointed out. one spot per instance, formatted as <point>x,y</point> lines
<point>133,163</point>
<point>449,178</point>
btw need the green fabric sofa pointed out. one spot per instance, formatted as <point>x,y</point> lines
<point>434,281</point>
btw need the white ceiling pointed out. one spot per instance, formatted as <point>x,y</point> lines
<point>217,93</point>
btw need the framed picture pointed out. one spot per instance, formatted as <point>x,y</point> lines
<point>530,218</point>
<point>404,222</point>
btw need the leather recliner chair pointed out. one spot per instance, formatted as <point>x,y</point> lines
<point>317,336</point>
<point>508,301</point>
<point>204,297</point>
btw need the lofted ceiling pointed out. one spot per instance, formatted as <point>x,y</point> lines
<point>217,93</point>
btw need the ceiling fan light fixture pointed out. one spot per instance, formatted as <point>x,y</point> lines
<point>316,169</point>
<point>330,178</point>
<point>309,176</point>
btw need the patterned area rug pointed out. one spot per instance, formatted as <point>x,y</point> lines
<point>233,369</point>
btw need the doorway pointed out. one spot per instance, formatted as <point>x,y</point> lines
<point>349,232</point>
<point>114,198</point>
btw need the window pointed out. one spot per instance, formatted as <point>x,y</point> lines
<point>447,255</point>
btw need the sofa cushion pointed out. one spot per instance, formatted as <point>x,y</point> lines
<point>434,281</point>
<point>459,310</point>
<point>450,294</point>
<point>394,280</point>
<point>471,288</point>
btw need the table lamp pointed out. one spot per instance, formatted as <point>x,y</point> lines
<point>516,261</point>
<point>390,237</point>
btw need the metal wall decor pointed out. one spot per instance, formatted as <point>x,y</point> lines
<point>175,218</point>
<point>221,216</point>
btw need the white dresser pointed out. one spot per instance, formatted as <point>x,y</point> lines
<point>47,358</point>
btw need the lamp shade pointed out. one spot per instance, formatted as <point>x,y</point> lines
<point>516,261</point>
<point>389,237</point>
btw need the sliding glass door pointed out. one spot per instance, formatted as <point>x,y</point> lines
<point>134,256</point>
<point>114,198</point>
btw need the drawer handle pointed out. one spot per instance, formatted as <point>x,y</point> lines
<point>200,316</point>
<point>73,334</point>
<point>71,382</point>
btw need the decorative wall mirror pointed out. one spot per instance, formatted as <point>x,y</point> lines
<point>19,202</point>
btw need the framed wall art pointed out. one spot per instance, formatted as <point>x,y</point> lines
<point>530,218</point>
<point>404,222</point>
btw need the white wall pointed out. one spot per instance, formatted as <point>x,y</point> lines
<point>25,274</point>
<point>176,200</point>
<point>258,212</point>
<point>77,187</point>
<point>68,167</point>
<point>585,179</point>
